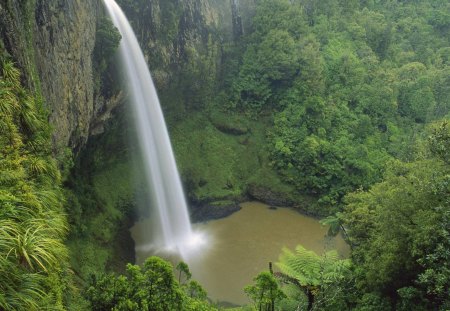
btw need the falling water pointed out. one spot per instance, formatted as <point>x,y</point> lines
<point>166,192</point>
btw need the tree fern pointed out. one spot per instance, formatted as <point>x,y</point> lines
<point>309,271</point>
<point>334,224</point>
<point>303,265</point>
<point>309,268</point>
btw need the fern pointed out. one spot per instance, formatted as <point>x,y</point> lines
<point>8,102</point>
<point>10,74</point>
<point>30,116</point>
<point>36,166</point>
<point>310,269</point>
<point>39,143</point>
<point>303,265</point>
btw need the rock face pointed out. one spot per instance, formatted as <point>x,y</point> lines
<point>16,29</point>
<point>266,195</point>
<point>64,41</point>
<point>173,32</point>
<point>213,210</point>
<point>52,42</point>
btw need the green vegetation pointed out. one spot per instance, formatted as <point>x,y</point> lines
<point>34,270</point>
<point>107,39</point>
<point>338,107</point>
<point>318,277</point>
<point>332,106</point>
<point>265,292</point>
<point>152,287</point>
<point>100,210</point>
<point>360,122</point>
<point>400,230</point>
<point>328,93</point>
<point>348,87</point>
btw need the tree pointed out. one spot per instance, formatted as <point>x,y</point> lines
<point>439,141</point>
<point>152,287</point>
<point>400,230</point>
<point>335,224</point>
<point>183,268</point>
<point>311,272</point>
<point>265,292</point>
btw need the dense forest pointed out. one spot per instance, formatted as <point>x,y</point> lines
<point>339,109</point>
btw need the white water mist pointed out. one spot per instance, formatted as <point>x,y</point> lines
<point>166,193</point>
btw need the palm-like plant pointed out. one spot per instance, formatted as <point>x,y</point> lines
<point>30,116</point>
<point>335,224</point>
<point>32,225</point>
<point>8,101</point>
<point>10,73</point>
<point>36,248</point>
<point>21,291</point>
<point>309,271</point>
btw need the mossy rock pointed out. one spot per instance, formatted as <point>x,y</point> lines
<point>272,197</point>
<point>229,124</point>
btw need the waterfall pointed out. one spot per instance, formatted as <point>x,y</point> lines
<point>166,192</point>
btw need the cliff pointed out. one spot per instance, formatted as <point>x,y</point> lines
<point>52,42</point>
<point>64,39</point>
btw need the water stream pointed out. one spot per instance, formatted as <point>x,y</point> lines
<point>165,195</point>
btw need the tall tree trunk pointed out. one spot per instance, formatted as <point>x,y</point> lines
<point>310,299</point>
<point>272,304</point>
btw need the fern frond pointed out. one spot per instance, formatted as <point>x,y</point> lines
<point>29,115</point>
<point>310,269</point>
<point>10,74</point>
<point>39,143</point>
<point>37,247</point>
<point>302,265</point>
<point>36,166</point>
<point>8,101</point>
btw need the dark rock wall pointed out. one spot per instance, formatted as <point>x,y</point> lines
<point>64,41</point>
<point>52,42</point>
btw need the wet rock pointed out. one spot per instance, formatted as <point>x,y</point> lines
<point>213,210</point>
<point>270,197</point>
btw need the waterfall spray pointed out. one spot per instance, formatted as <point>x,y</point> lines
<point>166,192</point>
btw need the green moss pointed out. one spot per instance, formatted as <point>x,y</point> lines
<point>222,203</point>
<point>114,185</point>
<point>216,165</point>
<point>101,193</point>
<point>234,124</point>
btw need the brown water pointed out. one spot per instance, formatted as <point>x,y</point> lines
<point>242,245</point>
